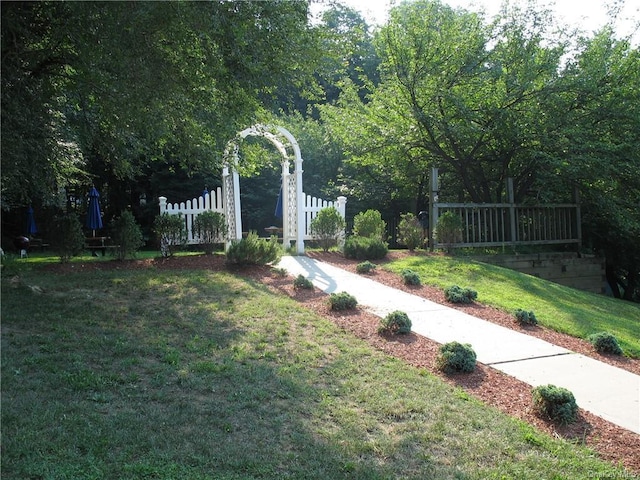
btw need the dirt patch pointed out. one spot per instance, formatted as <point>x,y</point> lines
<point>492,387</point>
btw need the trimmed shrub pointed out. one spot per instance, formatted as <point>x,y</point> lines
<point>280,272</point>
<point>410,231</point>
<point>410,277</point>
<point>342,301</point>
<point>327,227</point>
<point>395,322</point>
<point>456,294</point>
<point>127,235</point>
<point>171,232</point>
<point>254,250</point>
<point>365,248</point>
<point>555,403</point>
<point>210,227</point>
<point>67,237</point>
<point>605,342</point>
<point>455,357</point>
<point>365,267</point>
<point>369,224</point>
<point>302,282</point>
<point>526,318</point>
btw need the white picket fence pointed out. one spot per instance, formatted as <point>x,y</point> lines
<point>311,207</point>
<point>190,209</point>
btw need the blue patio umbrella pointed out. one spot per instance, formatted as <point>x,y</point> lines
<point>31,222</point>
<point>94,217</point>
<point>278,212</point>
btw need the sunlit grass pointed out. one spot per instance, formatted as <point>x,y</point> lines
<point>558,307</point>
<point>203,375</point>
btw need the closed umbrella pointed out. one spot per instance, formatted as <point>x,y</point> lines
<point>31,222</point>
<point>278,211</point>
<point>94,217</point>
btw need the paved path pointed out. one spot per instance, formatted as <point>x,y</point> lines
<point>604,390</point>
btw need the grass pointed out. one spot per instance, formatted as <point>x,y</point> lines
<point>557,307</point>
<point>201,375</point>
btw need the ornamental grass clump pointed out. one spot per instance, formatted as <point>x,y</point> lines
<point>410,277</point>
<point>365,267</point>
<point>395,322</point>
<point>302,282</point>
<point>555,403</point>
<point>456,357</point>
<point>342,301</point>
<point>605,342</point>
<point>526,318</point>
<point>456,294</point>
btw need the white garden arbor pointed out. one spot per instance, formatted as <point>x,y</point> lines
<point>298,209</point>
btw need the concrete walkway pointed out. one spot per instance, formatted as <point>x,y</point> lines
<point>602,389</point>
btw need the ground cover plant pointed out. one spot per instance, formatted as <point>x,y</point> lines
<point>181,373</point>
<point>560,308</point>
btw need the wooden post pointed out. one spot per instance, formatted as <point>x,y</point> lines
<point>576,199</point>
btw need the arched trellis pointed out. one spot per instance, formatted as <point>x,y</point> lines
<point>292,195</point>
<point>298,209</point>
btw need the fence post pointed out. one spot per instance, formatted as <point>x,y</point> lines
<point>163,204</point>
<point>512,210</point>
<point>576,199</point>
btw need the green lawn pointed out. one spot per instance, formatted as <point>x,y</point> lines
<point>202,375</point>
<point>560,308</point>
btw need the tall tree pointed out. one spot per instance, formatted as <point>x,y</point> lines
<point>596,150</point>
<point>125,84</point>
<point>456,93</point>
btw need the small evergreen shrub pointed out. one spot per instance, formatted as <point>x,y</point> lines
<point>526,318</point>
<point>369,224</point>
<point>395,322</point>
<point>365,267</point>
<point>605,342</point>
<point>555,403</point>
<point>171,232</point>
<point>365,248</point>
<point>327,227</point>
<point>302,282</point>
<point>342,301</point>
<point>254,250</point>
<point>210,227</point>
<point>410,231</point>
<point>455,357</point>
<point>456,294</point>
<point>67,237</point>
<point>127,235</point>
<point>410,277</point>
<point>280,272</point>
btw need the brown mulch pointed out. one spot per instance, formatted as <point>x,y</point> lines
<point>491,386</point>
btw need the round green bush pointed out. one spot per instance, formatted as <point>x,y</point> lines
<point>302,282</point>
<point>365,267</point>
<point>395,322</point>
<point>456,294</point>
<point>526,318</point>
<point>342,301</point>
<point>605,342</point>
<point>555,403</point>
<point>455,357</point>
<point>410,277</point>
<point>365,248</point>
